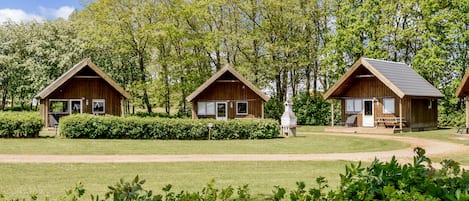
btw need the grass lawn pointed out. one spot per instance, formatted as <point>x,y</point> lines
<point>304,143</point>
<point>19,180</point>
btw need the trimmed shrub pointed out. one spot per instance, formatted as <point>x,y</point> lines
<point>111,127</point>
<point>20,124</point>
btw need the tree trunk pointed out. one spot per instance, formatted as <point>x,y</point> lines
<point>183,96</point>
<point>166,88</point>
<point>4,99</point>
<point>146,100</point>
<point>308,77</point>
<point>315,77</point>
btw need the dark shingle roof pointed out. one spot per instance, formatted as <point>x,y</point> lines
<point>398,77</point>
<point>405,78</point>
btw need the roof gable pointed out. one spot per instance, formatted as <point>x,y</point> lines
<point>220,74</point>
<point>80,67</point>
<point>398,77</point>
<point>463,88</point>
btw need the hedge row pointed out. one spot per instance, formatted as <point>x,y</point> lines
<point>20,124</point>
<point>110,127</point>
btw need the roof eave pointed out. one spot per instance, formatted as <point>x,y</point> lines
<point>74,70</point>
<point>462,84</point>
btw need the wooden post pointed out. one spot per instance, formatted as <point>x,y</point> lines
<point>400,114</point>
<point>194,114</point>
<point>467,111</point>
<point>332,113</point>
<point>262,110</point>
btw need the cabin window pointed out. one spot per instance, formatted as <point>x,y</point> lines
<point>241,107</point>
<point>353,105</point>
<point>388,105</point>
<point>98,106</point>
<point>58,106</point>
<point>205,108</point>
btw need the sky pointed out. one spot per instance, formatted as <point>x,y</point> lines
<point>27,10</point>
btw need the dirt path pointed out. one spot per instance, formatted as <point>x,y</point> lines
<point>434,148</point>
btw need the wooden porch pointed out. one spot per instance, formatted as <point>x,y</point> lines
<point>374,130</point>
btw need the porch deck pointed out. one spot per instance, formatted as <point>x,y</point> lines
<point>374,130</point>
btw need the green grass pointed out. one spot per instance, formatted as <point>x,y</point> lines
<point>304,143</point>
<point>52,180</point>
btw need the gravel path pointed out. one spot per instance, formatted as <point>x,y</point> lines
<point>434,148</point>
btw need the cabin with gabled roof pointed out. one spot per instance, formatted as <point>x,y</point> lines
<point>463,92</point>
<point>84,88</point>
<point>227,95</point>
<point>379,94</point>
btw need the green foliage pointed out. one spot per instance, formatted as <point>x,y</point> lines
<point>20,124</point>
<point>311,110</point>
<point>452,118</point>
<point>111,127</point>
<point>273,108</point>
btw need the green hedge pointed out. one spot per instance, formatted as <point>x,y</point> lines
<point>20,124</point>
<point>110,127</point>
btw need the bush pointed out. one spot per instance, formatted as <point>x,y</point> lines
<point>273,108</point>
<point>20,124</point>
<point>312,110</point>
<point>391,181</point>
<point>91,126</point>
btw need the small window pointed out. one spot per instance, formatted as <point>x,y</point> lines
<point>201,108</point>
<point>98,106</point>
<point>349,105</point>
<point>241,107</point>
<point>353,106</point>
<point>205,108</point>
<point>388,105</point>
<point>210,108</point>
<point>58,106</point>
<point>358,105</point>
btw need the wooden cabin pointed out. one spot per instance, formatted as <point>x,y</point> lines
<point>463,92</point>
<point>84,88</point>
<point>376,93</point>
<point>227,95</point>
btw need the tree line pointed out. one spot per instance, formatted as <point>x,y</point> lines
<point>162,50</point>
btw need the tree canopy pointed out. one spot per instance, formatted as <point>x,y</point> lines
<point>161,50</point>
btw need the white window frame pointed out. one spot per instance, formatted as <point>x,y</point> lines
<point>389,105</point>
<point>70,105</point>
<point>98,100</point>
<point>247,108</point>
<point>205,108</point>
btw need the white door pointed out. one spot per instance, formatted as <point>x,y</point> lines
<point>368,114</point>
<point>222,111</point>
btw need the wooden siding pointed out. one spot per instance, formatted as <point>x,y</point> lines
<point>372,88</point>
<point>424,117</point>
<point>78,88</point>
<point>231,92</point>
<point>89,89</point>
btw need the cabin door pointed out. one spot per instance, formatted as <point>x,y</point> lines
<point>368,113</point>
<point>222,111</point>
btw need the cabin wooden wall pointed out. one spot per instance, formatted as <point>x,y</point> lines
<point>372,88</point>
<point>89,89</point>
<point>231,91</point>
<point>424,116</point>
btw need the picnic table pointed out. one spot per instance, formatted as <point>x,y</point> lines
<point>390,121</point>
